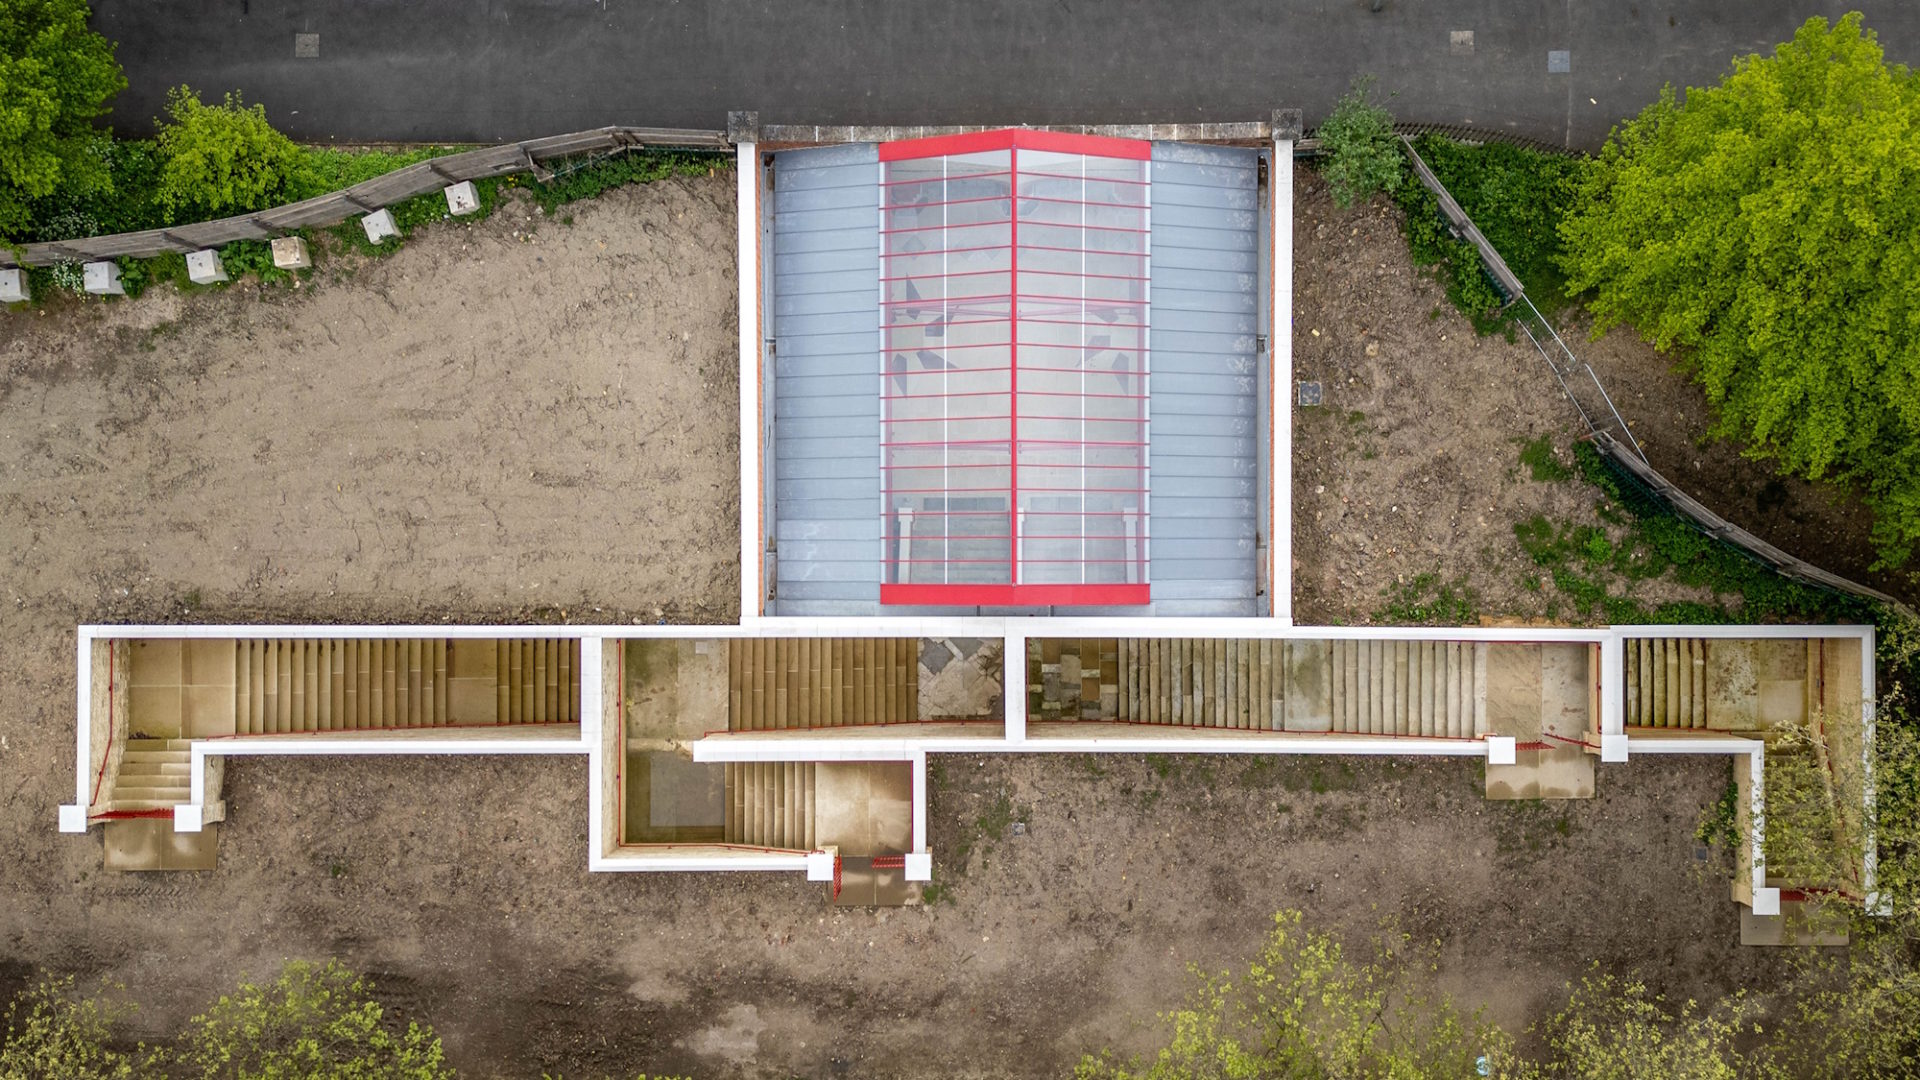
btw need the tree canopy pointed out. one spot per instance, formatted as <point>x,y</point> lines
<point>56,78</point>
<point>1769,229</point>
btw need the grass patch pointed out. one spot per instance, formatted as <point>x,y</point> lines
<point>1540,460</point>
<point>1427,600</point>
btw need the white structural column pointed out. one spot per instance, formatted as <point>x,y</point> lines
<point>752,542</point>
<point>1280,348</point>
<point>593,705</point>
<point>73,819</point>
<point>1013,688</point>
<point>1613,709</point>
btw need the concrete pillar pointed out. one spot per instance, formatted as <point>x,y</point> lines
<point>753,536</point>
<point>204,268</point>
<point>1286,129</point>
<point>462,199</point>
<point>102,279</point>
<point>290,253</point>
<point>13,286</point>
<point>379,225</point>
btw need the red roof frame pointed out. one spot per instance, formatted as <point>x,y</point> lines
<point>976,142</point>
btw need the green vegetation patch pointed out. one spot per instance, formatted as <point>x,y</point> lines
<point>1516,197</point>
<point>1429,600</point>
<point>1594,567</point>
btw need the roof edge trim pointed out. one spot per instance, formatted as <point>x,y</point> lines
<point>974,142</point>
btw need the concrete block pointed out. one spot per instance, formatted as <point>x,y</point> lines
<point>743,127</point>
<point>820,865</point>
<point>290,253</point>
<point>102,279</point>
<point>1500,750</point>
<point>462,198</point>
<point>73,818</point>
<point>188,818</point>
<point>920,866</point>
<point>379,225</point>
<point>13,286</point>
<point>204,268</point>
<point>1613,748</point>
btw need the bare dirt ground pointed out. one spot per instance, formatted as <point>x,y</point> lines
<point>487,426</point>
<point>1411,464</point>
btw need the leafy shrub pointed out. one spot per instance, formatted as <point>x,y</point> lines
<point>309,1022</point>
<point>51,1032</point>
<point>1362,156</point>
<point>243,257</point>
<point>124,204</point>
<point>1516,197</point>
<point>224,159</point>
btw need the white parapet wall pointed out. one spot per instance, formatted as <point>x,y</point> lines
<point>599,736</point>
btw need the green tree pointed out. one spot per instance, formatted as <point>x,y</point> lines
<point>311,1022</point>
<point>52,1032</point>
<point>1362,154</point>
<point>1305,1008</point>
<point>224,159</point>
<point>56,78</point>
<point>1769,228</point>
<point>1612,1029</point>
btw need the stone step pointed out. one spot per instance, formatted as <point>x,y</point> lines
<point>1666,683</point>
<point>163,796</point>
<point>146,765</point>
<point>804,683</point>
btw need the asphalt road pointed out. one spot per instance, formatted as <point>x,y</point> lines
<point>492,70</point>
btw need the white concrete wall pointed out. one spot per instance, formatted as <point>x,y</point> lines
<point>907,743</point>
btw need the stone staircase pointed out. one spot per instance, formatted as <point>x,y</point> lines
<point>153,776</point>
<point>1429,689</point>
<point>1666,683</point>
<point>778,684</point>
<point>771,804</point>
<point>295,685</point>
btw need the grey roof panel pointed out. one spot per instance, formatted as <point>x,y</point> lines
<point>847,529</point>
<point>1239,260</point>
<point>1170,156</point>
<point>792,264</point>
<point>841,405</point>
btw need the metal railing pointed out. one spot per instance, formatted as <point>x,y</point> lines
<point>365,197</point>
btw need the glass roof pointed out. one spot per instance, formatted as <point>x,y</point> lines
<point>1014,369</point>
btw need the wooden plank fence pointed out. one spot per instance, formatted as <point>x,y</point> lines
<point>1725,531</point>
<point>365,197</point>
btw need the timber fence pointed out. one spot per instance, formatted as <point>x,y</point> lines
<point>365,197</point>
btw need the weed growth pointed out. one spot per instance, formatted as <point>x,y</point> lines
<point>1427,600</point>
